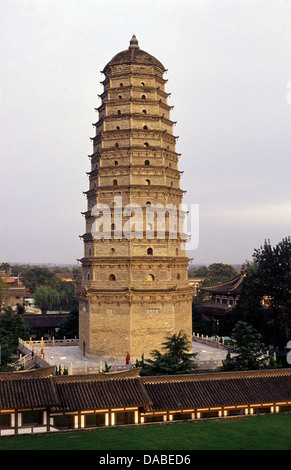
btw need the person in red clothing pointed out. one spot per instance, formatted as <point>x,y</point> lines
<point>127,359</point>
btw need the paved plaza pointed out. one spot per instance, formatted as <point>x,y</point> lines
<point>208,357</point>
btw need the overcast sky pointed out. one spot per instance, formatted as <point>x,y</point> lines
<point>229,75</point>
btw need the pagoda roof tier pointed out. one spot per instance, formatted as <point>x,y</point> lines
<point>152,259</point>
<point>231,287</point>
<point>133,100</point>
<point>181,238</point>
<point>137,116</point>
<point>87,237</point>
<point>175,288</point>
<point>114,134</point>
<point>134,73</point>
<point>133,188</point>
<point>148,169</point>
<point>129,150</point>
<point>145,88</point>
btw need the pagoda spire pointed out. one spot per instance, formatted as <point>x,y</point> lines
<point>133,44</point>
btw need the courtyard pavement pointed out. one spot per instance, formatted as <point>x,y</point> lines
<point>69,356</point>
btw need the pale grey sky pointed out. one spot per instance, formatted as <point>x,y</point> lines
<point>229,75</point>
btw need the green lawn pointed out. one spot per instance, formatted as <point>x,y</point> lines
<point>265,432</point>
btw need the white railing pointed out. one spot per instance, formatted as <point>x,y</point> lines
<point>209,365</point>
<point>213,341</point>
<point>50,342</point>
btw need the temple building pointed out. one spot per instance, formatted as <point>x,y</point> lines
<point>135,288</point>
<point>225,294</point>
<point>222,299</point>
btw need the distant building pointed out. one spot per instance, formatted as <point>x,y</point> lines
<point>17,292</point>
<point>224,297</point>
<point>225,294</point>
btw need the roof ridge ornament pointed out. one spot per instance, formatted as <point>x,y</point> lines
<point>133,44</point>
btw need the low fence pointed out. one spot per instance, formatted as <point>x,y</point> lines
<point>213,341</point>
<point>50,342</point>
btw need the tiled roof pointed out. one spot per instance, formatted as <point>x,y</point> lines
<point>47,320</point>
<point>221,389</point>
<point>73,393</point>
<point>231,287</point>
<point>34,392</point>
<point>28,374</point>
<point>97,394</point>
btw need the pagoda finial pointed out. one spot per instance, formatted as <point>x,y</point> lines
<point>133,44</point>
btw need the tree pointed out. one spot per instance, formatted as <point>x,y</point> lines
<point>68,299</point>
<point>4,293</point>
<point>6,267</point>
<point>176,359</point>
<point>70,327</point>
<point>37,276</point>
<point>265,299</point>
<point>197,272</point>
<point>46,298</point>
<point>219,272</point>
<point>247,349</point>
<point>11,329</point>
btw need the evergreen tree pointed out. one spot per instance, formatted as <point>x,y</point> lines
<point>70,326</point>
<point>12,327</point>
<point>176,359</point>
<point>265,299</point>
<point>247,352</point>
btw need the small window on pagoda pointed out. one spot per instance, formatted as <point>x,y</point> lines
<point>148,203</point>
<point>116,163</point>
<point>150,277</point>
<point>178,276</point>
<point>112,251</point>
<point>118,128</point>
<point>172,184</point>
<point>142,83</point>
<point>143,97</point>
<point>146,144</point>
<point>114,182</point>
<point>120,84</point>
<point>89,251</point>
<point>112,277</point>
<point>116,145</point>
<point>88,276</point>
<point>119,112</point>
<point>145,127</point>
<point>120,97</point>
<point>147,162</point>
<point>113,226</point>
<point>147,182</point>
<point>149,251</point>
<point>144,111</point>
